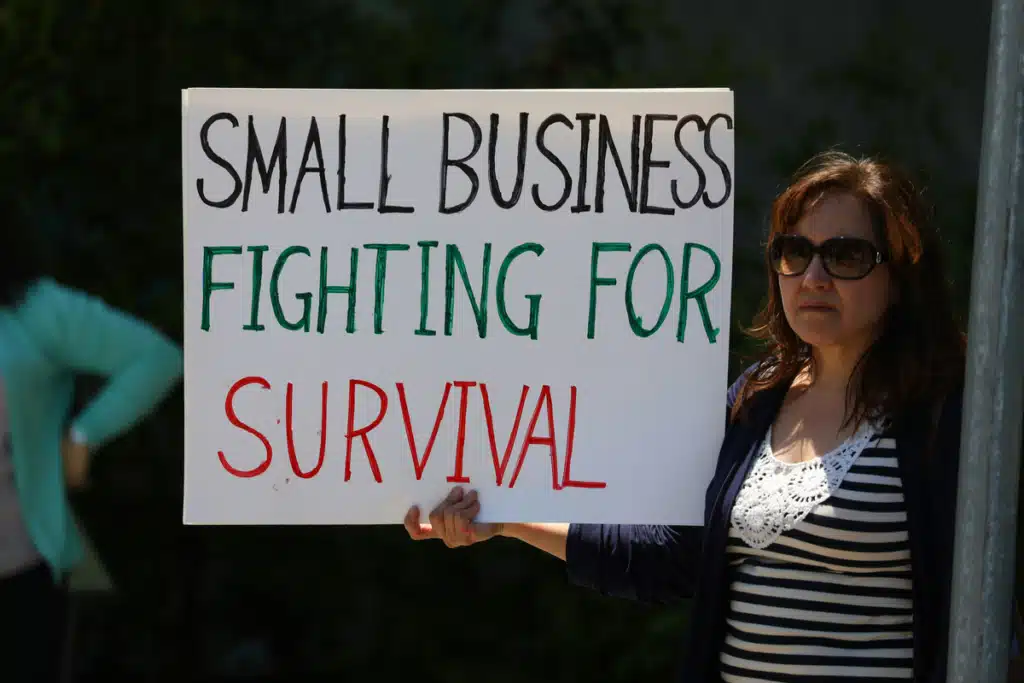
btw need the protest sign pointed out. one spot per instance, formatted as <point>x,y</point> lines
<point>388,293</point>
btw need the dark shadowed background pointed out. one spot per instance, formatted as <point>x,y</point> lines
<point>90,150</point>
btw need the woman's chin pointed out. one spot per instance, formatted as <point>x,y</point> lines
<point>819,336</point>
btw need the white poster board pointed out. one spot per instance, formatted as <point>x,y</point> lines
<point>391,292</point>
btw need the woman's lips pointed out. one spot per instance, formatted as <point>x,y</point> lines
<point>817,306</point>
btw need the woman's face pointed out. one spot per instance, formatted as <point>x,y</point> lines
<point>826,311</point>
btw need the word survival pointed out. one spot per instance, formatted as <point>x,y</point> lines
<point>561,477</point>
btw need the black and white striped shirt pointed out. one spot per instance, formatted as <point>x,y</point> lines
<point>820,583</point>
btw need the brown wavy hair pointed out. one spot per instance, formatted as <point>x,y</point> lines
<point>919,354</point>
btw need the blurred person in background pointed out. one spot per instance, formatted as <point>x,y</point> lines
<point>49,333</point>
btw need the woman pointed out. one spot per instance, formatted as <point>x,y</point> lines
<point>826,550</point>
<point>48,334</point>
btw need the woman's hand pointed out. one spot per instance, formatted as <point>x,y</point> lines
<point>452,521</point>
<point>76,463</point>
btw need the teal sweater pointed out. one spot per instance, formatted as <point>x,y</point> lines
<point>53,334</point>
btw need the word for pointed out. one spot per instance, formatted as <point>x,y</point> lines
<point>455,264</point>
<point>635,175</point>
<point>560,479</point>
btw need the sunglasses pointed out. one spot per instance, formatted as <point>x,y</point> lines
<point>844,258</point>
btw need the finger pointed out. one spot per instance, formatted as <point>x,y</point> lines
<point>453,496</point>
<point>457,520</point>
<point>439,514</point>
<point>412,524</point>
<point>453,526</point>
<point>472,528</point>
<point>463,514</point>
<point>452,536</point>
<point>416,530</point>
<point>467,500</point>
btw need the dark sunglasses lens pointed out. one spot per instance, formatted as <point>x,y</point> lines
<point>790,255</point>
<point>849,258</point>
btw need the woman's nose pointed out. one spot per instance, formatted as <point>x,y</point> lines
<point>816,276</point>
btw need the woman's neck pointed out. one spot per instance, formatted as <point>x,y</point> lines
<point>833,367</point>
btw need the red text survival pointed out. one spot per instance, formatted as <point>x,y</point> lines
<point>420,448</point>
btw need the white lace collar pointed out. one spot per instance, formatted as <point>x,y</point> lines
<point>777,495</point>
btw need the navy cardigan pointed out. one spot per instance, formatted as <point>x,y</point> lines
<point>666,564</point>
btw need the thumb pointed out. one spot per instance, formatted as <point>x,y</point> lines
<point>417,531</point>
